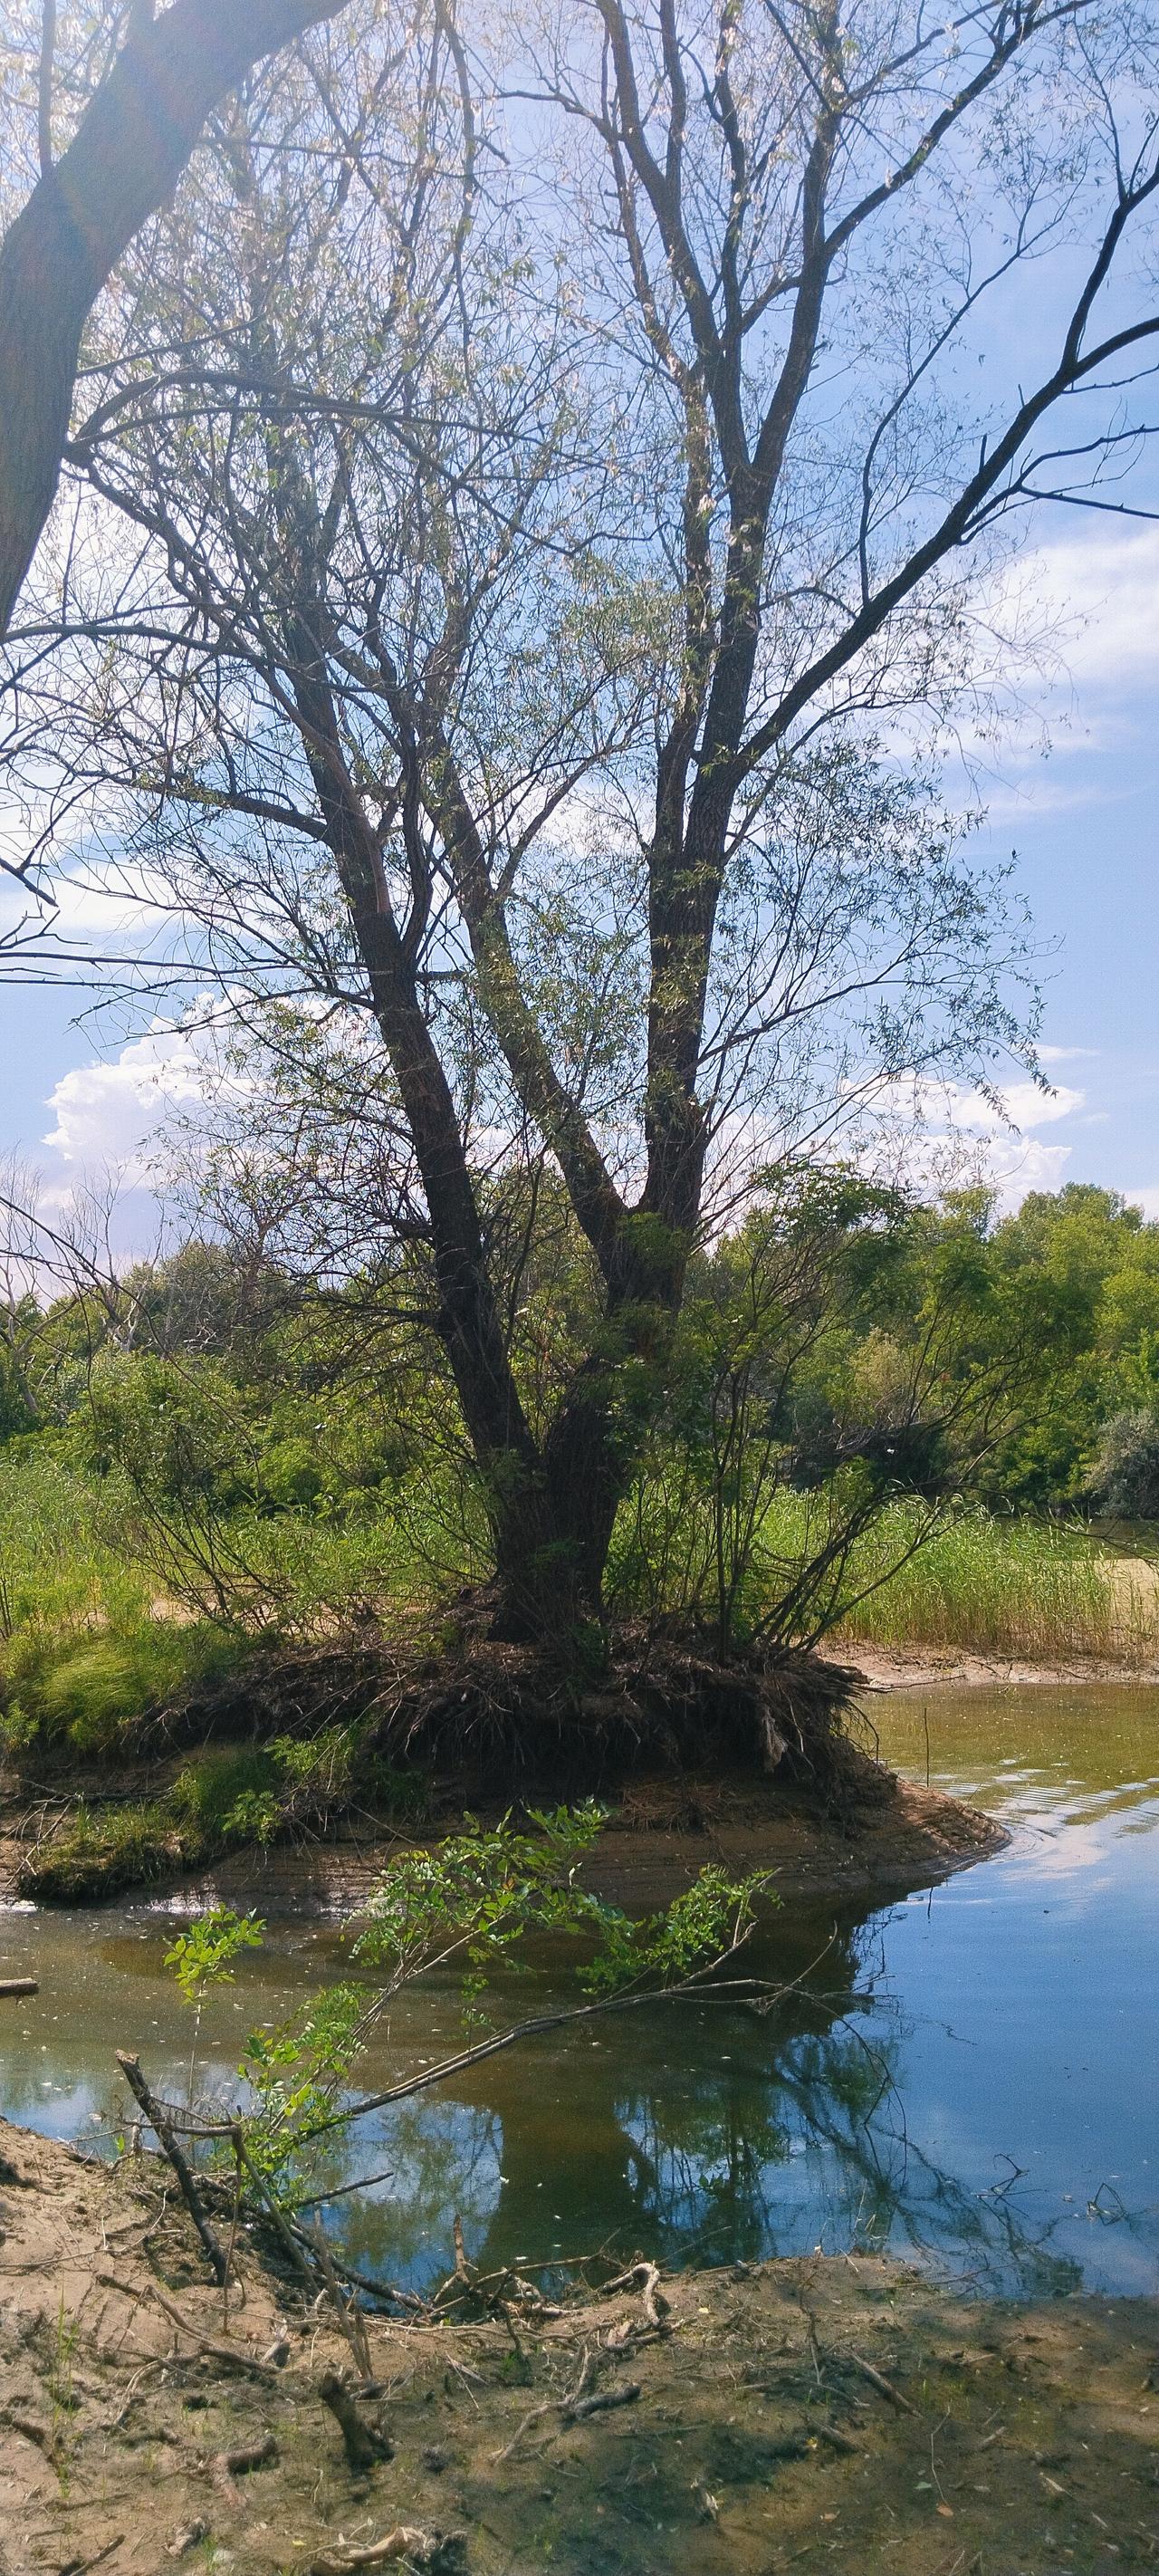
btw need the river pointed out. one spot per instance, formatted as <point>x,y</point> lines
<point>969,2075</point>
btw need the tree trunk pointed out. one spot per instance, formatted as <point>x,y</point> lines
<point>552,1524</point>
<point>126,156</point>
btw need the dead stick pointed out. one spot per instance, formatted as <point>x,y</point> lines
<point>884,2386</point>
<point>81,2566</point>
<point>600,2402</point>
<point>131,2070</point>
<point>225,2466</point>
<point>363,2442</point>
<point>20,1986</point>
<point>216,2351</point>
<point>270,2201</point>
<point>405,2542</point>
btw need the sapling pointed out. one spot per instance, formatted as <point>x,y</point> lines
<point>202,1957</point>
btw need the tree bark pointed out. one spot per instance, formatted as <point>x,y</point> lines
<point>126,156</point>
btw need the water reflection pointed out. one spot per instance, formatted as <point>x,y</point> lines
<point>967,2076</point>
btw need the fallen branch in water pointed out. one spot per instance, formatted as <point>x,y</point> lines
<point>701,1981</point>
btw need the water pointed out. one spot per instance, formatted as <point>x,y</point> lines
<point>970,2074</point>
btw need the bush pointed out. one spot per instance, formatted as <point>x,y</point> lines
<point>1126,1474</point>
<point>227,1794</point>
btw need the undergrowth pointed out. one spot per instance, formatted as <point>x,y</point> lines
<point>222,1798</point>
<point>89,1656</point>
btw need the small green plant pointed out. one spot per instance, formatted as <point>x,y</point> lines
<point>18,1728</point>
<point>203,1957</point>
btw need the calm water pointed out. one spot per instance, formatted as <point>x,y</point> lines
<point>972,2072</point>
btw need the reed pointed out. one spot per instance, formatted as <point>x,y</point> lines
<point>1003,1586</point>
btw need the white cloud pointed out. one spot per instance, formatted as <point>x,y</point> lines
<point>1102,589</point>
<point>938,1136</point>
<point>106,1113</point>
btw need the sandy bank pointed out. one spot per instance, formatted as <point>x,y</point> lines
<point>784,2415</point>
<point>930,1667</point>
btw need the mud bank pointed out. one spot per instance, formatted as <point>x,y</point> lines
<point>662,1835</point>
<point>769,2417</point>
<point>663,1832</point>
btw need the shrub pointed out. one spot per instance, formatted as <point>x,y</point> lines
<point>218,1792</point>
<point>1126,1473</point>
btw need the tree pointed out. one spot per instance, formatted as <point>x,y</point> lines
<point>509,599</point>
<point>143,103</point>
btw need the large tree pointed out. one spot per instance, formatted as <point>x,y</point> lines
<point>524,545</point>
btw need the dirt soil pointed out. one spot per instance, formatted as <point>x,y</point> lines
<point>771,2417</point>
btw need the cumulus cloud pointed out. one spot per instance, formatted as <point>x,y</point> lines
<point>107,1113</point>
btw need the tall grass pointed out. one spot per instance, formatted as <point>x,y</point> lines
<point>1004,1587</point>
<point>88,1642</point>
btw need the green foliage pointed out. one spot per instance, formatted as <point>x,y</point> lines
<point>705,1924</point>
<point>478,1901</point>
<point>1125,1475</point>
<point>477,1897</point>
<point>999,1586</point>
<point>101,1850</point>
<point>221,1789</point>
<point>296,2073</point>
<point>203,1956</point>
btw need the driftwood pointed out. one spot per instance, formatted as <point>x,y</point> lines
<point>644,2277</point>
<point>601,2402</point>
<point>154,2113</point>
<point>365,2444</point>
<point>225,2466</point>
<point>441,2554</point>
<point>19,1985</point>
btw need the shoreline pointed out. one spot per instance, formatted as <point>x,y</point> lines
<point>738,2422</point>
<point>662,1834</point>
<point>901,1668</point>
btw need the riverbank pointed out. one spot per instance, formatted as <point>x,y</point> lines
<point>662,1832</point>
<point>760,2418</point>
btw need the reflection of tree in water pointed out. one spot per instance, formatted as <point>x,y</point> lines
<point>443,2160</point>
<point>703,2133</point>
